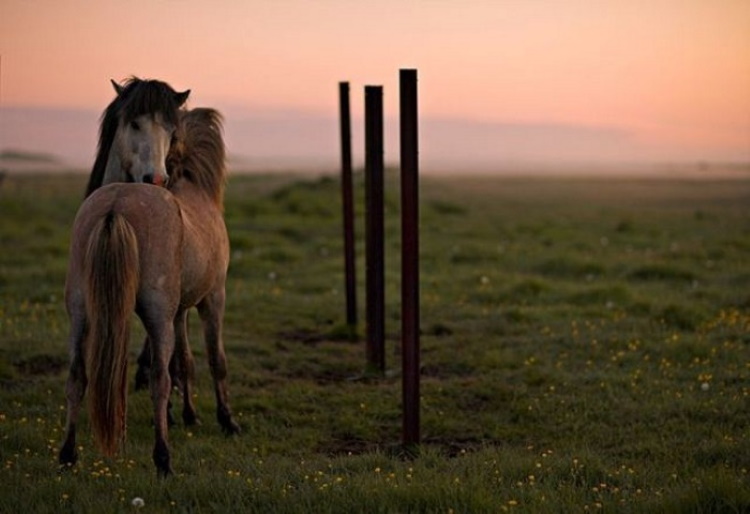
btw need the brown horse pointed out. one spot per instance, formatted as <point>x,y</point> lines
<point>156,252</point>
<point>137,134</point>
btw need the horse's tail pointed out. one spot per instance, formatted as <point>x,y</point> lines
<point>111,282</point>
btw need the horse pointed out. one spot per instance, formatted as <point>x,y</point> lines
<point>137,132</point>
<point>157,252</point>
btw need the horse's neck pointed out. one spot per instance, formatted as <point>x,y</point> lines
<point>194,201</point>
<point>204,231</point>
<point>188,193</point>
<point>113,171</point>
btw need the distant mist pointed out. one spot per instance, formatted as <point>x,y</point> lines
<point>69,134</point>
<point>272,140</point>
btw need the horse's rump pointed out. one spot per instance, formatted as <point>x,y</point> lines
<point>116,249</point>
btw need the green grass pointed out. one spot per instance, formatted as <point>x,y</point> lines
<point>568,329</point>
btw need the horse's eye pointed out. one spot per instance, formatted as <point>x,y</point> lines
<point>134,125</point>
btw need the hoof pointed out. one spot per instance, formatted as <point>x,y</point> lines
<point>190,419</point>
<point>230,427</point>
<point>68,453</point>
<point>162,460</point>
<point>164,472</point>
<point>68,457</point>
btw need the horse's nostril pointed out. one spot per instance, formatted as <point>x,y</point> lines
<point>148,178</point>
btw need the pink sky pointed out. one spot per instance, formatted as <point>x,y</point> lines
<point>670,73</point>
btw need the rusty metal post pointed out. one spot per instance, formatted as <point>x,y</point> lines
<point>374,230</point>
<point>409,255</point>
<point>347,200</point>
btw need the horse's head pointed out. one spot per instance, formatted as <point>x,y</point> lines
<point>146,128</point>
<point>137,132</point>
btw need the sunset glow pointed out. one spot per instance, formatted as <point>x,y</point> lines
<point>671,74</point>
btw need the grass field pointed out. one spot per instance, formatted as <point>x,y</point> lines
<point>585,347</point>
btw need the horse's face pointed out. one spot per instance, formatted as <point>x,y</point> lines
<point>142,145</point>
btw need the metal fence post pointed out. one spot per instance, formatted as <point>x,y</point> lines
<point>347,200</point>
<point>374,230</point>
<point>409,255</point>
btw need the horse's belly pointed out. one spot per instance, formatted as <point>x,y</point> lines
<point>203,273</point>
<point>205,257</point>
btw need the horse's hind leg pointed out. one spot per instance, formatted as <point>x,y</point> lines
<point>161,334</point>
<point>183,368</point>
<point>211,311</point>
<point>75,387</point>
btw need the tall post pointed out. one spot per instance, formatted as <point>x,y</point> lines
<point>347,200</point>
<point>409,255</point>
<point>374,230</point>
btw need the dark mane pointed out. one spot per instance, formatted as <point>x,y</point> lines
<point>138,97</point>
<point>199,155</point>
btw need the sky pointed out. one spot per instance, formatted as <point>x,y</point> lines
<point>499,80</point>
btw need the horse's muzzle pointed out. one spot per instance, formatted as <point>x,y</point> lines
<point>156,179</point>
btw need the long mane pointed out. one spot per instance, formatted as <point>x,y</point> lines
<point>138,97</point>
<point>199,155</point>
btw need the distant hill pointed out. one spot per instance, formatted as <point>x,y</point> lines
<point>28,157</point>
<point>28,162</point>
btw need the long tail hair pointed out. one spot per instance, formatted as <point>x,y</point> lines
<point>111,283</point>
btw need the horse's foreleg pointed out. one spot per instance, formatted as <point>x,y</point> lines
<point>211,311</point>
<point>144,365</point>
<point>74,391</point>
<point>144,371</point>
<point>162,348</point>
<point>184,368</point>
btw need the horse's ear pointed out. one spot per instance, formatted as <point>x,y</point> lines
<point>181,98</point>
<point>118,88</point>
